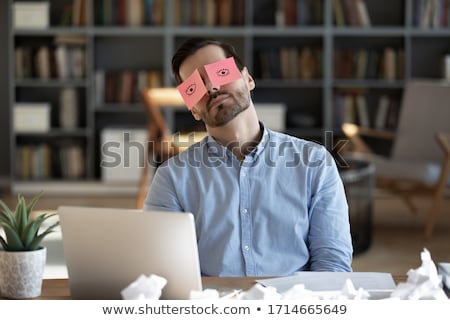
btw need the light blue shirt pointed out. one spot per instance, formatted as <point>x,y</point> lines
<point>282,210</point>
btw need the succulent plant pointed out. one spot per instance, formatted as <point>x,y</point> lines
<point>21,230</point>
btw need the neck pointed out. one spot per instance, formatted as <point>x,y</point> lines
<point>241,135</point>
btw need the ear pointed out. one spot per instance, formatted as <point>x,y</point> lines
<point>195,114</point>
<point>248,79</point>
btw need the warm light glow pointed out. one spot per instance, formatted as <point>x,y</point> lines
<point>350,129</point>
<point>166,96</point>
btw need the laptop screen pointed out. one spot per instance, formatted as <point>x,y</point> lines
<point>108,248</point>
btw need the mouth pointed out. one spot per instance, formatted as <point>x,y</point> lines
<point>216,100</point>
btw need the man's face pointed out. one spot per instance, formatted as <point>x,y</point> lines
<point>223,103</point>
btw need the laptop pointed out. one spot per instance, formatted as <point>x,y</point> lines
<point>106,249</point>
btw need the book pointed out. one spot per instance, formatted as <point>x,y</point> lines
<point>389,64</point>
<point>68,108</point>
<point>148,12</point>
<point>224,12</point>
<point>351,13</point>
<point>339,17</point>
<point>363,14</point>
<point>382,112</point>
<point>141,84</point>
<point>125,92</point>
<point>42,63</point>
<point>290,12</point>
<point>348,109</point>
<point>210,13</point>
<point>77,62</point>
<point>306,64</point>
<point>158,12</point>
<point>362,56</point>
<point>293,59</point>
<point>363,111</point>
<point>31,117</point>
<point>304,11</point>
<point>134,13</point>
<point>285,63</point>
<point>18,59</point>
<point>76,12</point>
<point>99,87</point>
<point>61,57</point>
<point>72,161</point>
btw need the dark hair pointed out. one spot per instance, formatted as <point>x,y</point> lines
<point>190,46</point>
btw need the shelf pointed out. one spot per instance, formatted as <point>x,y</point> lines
<point>370,31</point>
<point>51,83</point>
<point>439,32</point>
<point>74,187</point>
<point>54,31</point>
<point>261,83</point>
<point>127,31</point>
<point>56,133</point>
<point>310,86</point>
<point>287,31</point>
<point>119,108</point>
<point>398,84</point>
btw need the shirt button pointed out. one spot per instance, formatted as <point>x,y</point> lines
<point>243,174</point>
<point>246,248</point>
<point>244,211</point>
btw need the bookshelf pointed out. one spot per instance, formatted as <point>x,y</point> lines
<point>336,62</point>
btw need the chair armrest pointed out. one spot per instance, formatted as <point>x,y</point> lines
<point>355,133</point>
<point>443,140</point>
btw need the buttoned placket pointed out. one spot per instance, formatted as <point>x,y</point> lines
<point>246,216</point>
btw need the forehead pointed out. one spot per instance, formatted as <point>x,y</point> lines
<point>205,55</point>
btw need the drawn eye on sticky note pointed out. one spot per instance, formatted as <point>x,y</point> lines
<point>192,89</point>
<point>223,72</point>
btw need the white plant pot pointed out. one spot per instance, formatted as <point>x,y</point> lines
<point>21,273</point>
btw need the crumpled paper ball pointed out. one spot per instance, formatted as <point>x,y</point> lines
<point>144,288</point>
<point>299,292</point>
<point>423,283</point>
<point>259,292</point>
<point>351,293</point>
<point>207,294</point>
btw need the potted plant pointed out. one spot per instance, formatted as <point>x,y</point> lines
<point>23,258</point>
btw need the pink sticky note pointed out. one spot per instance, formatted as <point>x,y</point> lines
<point>223,72</point>
<point>192,89</point>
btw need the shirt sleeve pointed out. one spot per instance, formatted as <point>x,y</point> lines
<point>329,237</point>
<point>162,193</point>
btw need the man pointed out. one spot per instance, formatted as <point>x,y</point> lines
<point>264,203</point>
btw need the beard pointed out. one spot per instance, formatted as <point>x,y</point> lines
<point>226,111</point>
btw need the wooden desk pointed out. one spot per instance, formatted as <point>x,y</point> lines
<point>59,288</point>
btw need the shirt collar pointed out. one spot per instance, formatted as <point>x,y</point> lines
<point>216,149</point>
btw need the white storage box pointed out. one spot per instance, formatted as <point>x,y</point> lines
<point>31,117</point>
<point>31,15</point>
<point>122,154</point>
<point>272,115</point>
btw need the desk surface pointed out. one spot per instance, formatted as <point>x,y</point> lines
<point>59,288</point>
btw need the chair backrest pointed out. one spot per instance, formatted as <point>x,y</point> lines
<point>425,110</point>
<point>155,99</point>
<point>160,143</point>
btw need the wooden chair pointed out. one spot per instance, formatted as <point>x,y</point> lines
<point>161,143</point>
<point>417,164</point>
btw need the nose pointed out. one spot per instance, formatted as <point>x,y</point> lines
<point>210,88</point>
<point>213,90</point>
